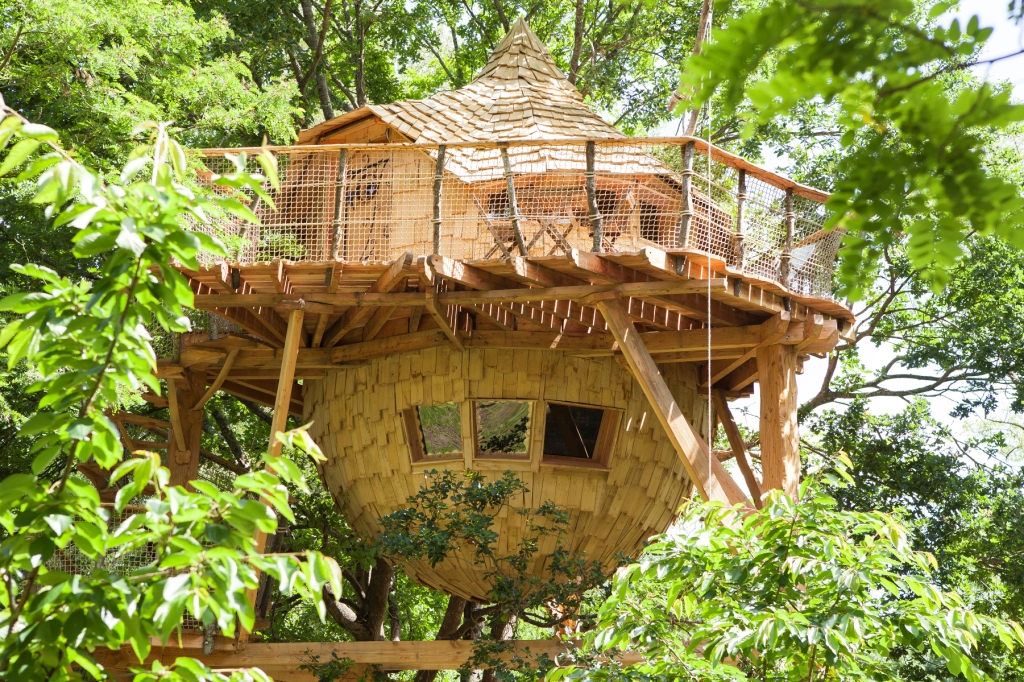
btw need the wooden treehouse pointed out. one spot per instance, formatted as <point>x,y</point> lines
<point>494,279</point>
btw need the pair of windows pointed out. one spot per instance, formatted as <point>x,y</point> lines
<point>502,429</point>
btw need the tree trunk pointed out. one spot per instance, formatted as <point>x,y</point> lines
<point>703,31</point>
<point>448,630</point>
<point>312,40</point>
<point>366,622</point>
<point>501,630</point>
<point>577,43</point>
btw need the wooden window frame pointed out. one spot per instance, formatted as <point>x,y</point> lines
<point>490,456</point>
<point>414,437</point>
<point>606,437</point>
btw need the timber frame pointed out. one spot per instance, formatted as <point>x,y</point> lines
<point>650,307</point>
<point>298,321</point>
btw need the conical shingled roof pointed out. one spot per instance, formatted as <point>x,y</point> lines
<point>520,94</point>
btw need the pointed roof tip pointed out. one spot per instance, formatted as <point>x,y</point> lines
<point>522,55</point>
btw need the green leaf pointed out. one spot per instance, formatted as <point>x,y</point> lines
<point>19,152</point>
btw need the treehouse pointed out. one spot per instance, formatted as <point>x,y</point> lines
<point>494,279</point>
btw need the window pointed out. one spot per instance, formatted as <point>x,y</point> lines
<point>435,431</point>
<point>497,205</point>
<point>502,428</point>
<point>650,226</point>
<point>576,435</point>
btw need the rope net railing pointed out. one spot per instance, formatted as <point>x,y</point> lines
<point>372,203</point>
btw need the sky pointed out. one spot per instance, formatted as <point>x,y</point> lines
<point>1007,38</point>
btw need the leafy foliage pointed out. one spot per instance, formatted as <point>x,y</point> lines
<point>87,341</point>
<point>960,503</point>
<point>92,69</point>
<point>913,136</point>
<point>796,591</point>
<point>456,511</point>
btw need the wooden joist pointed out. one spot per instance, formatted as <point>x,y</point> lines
<point>728,344</point>
<point>357,316</point>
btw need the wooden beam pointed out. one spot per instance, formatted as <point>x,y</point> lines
<point>771,332</point>
<point>780,440</point>
<point>221,376</point>
<point>333,280</point>
<point>694,305</point>
<point>361,305</point>
<point>281,659</point>
<point>539,310</point>
<point>388,345</point>
<point>442,321</point>
<point>496,315</point>
<point>713,482</point>
<point>377,320</point>
<point>186,426</point>
<point>174,408</point>
<point>351,319</point>
<point>285,380</point>
<point>741,377</point>
<point>739,448</point>
<point>243,390</point>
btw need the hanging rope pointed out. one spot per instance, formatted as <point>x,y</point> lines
<point>711,426</point>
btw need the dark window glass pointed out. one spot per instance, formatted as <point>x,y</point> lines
<point>571,431</point>
<point>649,226</point>
<point>502,426</point>
<point>497,205</point>
<point>441,426</point>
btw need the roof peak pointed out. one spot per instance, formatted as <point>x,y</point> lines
<point>522,56</point>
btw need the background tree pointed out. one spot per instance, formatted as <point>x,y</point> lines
<point>794,591</point>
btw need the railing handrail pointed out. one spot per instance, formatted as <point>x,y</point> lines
<point>700,146</point>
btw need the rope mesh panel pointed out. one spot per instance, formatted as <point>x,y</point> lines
<point>380,204</point>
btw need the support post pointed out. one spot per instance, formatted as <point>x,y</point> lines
<point>739,448</point>
<point>740,251</point>
<point>513,208</point>
<point>278,423</point>
<point>787,251</point>
<point>686,212</point>
<point>713,482</point>
<point>186,431</point>
<point>286,379</point>
<point>596,223</point>
<point>438,178</point>
<point>780,439</point>
<point>339,204</point>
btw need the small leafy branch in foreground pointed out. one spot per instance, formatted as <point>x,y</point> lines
<point>913,125</point>
<point>457,510</point>
<point>794,591</point>
<point>88,342</point>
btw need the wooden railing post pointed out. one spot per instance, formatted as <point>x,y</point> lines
<point>513,208</point>
<point>686,213</point>
<point>591,182</point>
<point>740,251</point>
<point>787,251</point>
<point>339,204</point>
<point>438,177</point>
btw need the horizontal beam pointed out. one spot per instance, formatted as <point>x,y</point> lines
<point>665,346</point>
<point>275,659</point>
<point>316,302</point>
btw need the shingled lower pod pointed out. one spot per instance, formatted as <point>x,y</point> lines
<point>577,431</point>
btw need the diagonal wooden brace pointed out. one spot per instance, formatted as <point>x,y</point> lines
<point>713,482</point>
